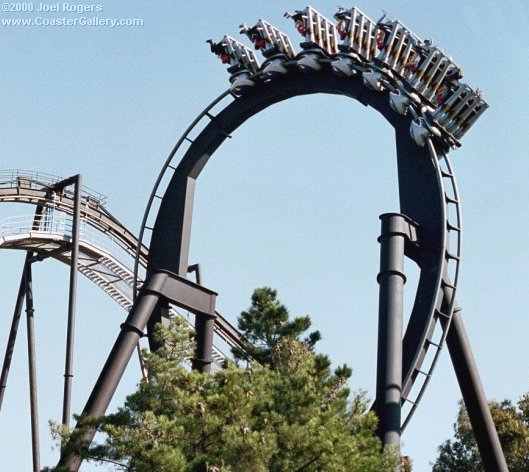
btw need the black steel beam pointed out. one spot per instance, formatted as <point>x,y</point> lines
<point>197,299</point>
<point>13,331</point>
<point>32,368</point>
<point>60,186</point>
<point>183,293</point>
<point>131,332</point>
<point>396,232</point>
<point>204,329</point>
<point>159,314</point>
<point>72,297</point>
<point>195,268</point>
<point>474,396</point>
<point>17,313</point>
<point>162,311</point>
<point>158,287</point>
<point>169,247</point>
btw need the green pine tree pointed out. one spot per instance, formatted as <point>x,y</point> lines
<point>512,423</point>
<point>287,412</point>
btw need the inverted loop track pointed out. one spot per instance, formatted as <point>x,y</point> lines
<point>428,196</point>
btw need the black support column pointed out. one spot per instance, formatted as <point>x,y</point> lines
<point>396,231</point>
<point>204,327</point>
<point>72,301</point>
<point>32,363</point>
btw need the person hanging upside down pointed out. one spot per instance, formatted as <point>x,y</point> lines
<point>258,42</point>
<point>342,28</point>
<point>381,35</point>
<point>300,26</point>
<point>220,50</point>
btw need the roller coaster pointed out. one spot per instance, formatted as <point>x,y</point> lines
<point>107,249</point>
<point>413,84</point>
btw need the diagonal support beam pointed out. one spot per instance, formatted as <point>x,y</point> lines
<point>13,331</point>
<point>18,312</point>
<point>160,286</point>
<point>474,396</point>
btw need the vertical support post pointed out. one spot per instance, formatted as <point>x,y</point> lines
<point>395,231</point>
<point>474,397</point>
<point>131,331</point>
<point>30,311</point>
<point>72,300</point>
<point>204,327</point>
<point>204,330</point>
<point>159,314</point>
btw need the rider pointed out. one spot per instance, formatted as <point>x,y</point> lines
<point>220,50</point>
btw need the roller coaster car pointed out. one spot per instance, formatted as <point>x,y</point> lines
<point>432,74</point>
<point>396,45</point>
<point>426,75</point>
<point>452,119</point>
<point>357,32</point>
<point>273,44</point>
<point>405,96</point>
<point>321,38</point>
<point>459,111</point>
<point>242,61</point>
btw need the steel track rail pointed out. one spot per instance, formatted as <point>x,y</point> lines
<point>160,186</point>
<point>435,334</point>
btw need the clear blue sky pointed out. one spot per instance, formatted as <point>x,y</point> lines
<point>292,201</point>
